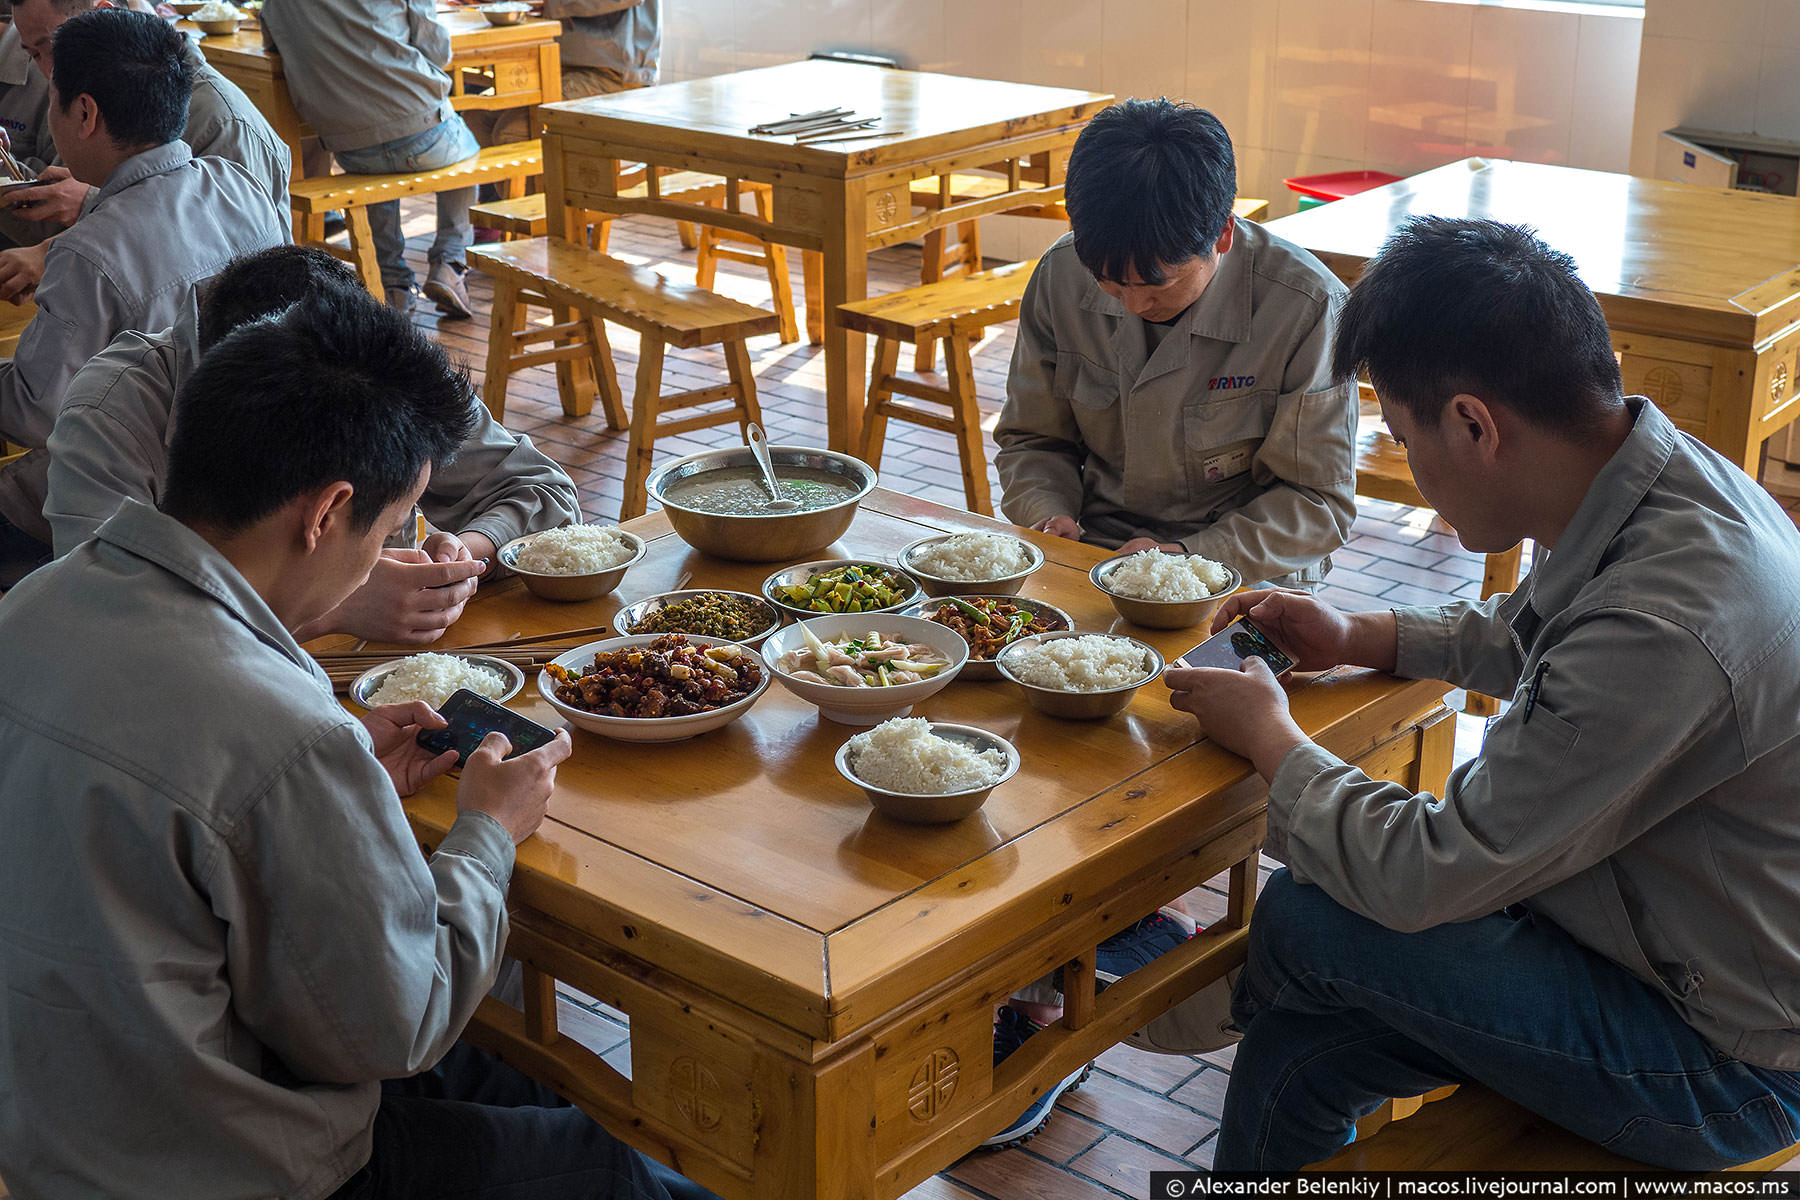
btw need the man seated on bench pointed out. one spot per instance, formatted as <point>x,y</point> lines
<point>1171,383</point>
<point>111,442</point>
<point>163,222</point>
<point>368,75</point>
<point>220,935</point>
<point>1597,919</point>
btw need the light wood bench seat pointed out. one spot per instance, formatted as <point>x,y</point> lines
<point>955,310</point>
<point>1476,1129</point>
<point>311,199</point>
<point>584,290</point>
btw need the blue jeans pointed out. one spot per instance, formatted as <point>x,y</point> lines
<point>450,142</point>
<point>474,1127</point>
<point>1340,1013</point>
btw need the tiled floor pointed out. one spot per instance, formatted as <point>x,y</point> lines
<point>1138,1112</point>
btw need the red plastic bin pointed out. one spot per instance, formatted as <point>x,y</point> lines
<point>1339,184</point>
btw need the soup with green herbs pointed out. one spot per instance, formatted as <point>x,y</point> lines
<point>739,491</point>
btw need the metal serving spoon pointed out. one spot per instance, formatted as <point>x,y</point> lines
<point>759,446</point>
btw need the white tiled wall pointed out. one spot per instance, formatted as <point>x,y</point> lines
<point>1304,86</point>
<point>1731,65</point>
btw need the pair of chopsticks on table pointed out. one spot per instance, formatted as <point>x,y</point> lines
<point>526,653</point>
<point>825,125</point>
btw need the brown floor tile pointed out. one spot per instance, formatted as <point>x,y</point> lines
<point>941,1187</point>
<point>1155,1072</point>
<point>1205,1091</point>
<point>1121,1163</point>
<point>1066,1136</point>
<point>1017,1175</point>
<point>1144,1115</point>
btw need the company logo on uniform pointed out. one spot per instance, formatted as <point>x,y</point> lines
<point>1223,383</point>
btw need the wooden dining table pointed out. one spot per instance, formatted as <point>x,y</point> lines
<point>811,986</point>
<point>491,67</point>
<point>1700,286</point>
<point>838,200</point>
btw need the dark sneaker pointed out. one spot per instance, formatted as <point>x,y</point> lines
<point>444,288</point>
<point>1146,941</point>
<point>1011,1028</point>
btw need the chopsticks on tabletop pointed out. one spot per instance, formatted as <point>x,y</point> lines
<point>799,122</point>
<point>825,125</point>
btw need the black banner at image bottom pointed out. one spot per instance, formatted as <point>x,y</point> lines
<point>1479,1185</point>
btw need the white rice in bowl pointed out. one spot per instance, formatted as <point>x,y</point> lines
<point>574,550</point>
<point>1154,575</point>
<point>972,557</point>
<point>432,677</point>
<point>903,755</point>
<point>1090,663</point>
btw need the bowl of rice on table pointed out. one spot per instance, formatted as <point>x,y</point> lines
<point>1162,590</point>
<point>431,677</point>
<point>993,564</point>
<point>573,562</point>
<point>1081,676</point>
<point>927,772</point>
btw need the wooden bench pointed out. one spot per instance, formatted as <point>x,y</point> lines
<point>955,310</point>
<point>592,289</point>
<point>13,320</point>
<point>311,199</point>
<point>1475,1129</point>
<point>1382,473</point>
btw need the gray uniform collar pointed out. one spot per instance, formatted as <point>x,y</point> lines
<point>146,533</point>
<point>1615,494</point>
<point>1222,313</point>
<point>159,160</point>
<point>15,64</point>
<point>184,341</point>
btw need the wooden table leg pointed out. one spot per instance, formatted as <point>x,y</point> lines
<point>846,278</point>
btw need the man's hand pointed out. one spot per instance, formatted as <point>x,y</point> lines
<point>21,270</point>
<point>1136,544</point>
<point>1245,711</point>
<point>515,792</point>
<point>450,547</point>
<point>1312,633</point>
<point>57,199</point>
<point>408,598</point>
<point>394,729</point>
<point>1063,527</point>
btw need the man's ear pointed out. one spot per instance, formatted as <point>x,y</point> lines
<point>1225,238</point>
<point>87,116</point>
<point>324,512</point>
<point>1470,425</point>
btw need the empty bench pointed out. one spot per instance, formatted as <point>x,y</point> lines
<point>586,289</point>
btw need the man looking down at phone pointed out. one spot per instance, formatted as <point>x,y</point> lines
<point>219,936</point>
<point>1598,918</point>
<point>112,436</point>
<point>1171,383</point>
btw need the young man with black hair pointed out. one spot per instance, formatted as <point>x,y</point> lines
<point>1171,382</point>
<point>220,936</point>
<point>1598,919</point>
<point>163,222</point>
<point>111,442</point>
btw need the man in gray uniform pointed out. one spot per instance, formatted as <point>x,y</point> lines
<point>369,77</point>
<point>1600,918</point>
<point>607,45</point>
<point>111,443</point>
<point>221,121</point>
<point>164,222</point>
<point>24,104</point>
<point>1171,382</point>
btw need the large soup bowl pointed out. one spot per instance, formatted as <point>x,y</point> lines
<point>762,537</point>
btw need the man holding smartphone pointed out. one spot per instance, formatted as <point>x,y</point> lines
<point>1598,919</point>
<point>219,936</point>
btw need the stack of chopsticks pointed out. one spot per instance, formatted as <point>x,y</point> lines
<point>820,126</point>
<point>525,653</point>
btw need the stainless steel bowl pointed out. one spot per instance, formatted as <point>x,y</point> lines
<point>939,585</point>
<point>942,807</point>
<point>1079,706</point>
<point>761,537</point>
<point>504,13</point>
<point>631,614</point>
<point>1162,614</point>
<point>569,587</point>
<point>984,668</point>
<point>801,573</point>
<point>221,28</point>
<point>370,681</point>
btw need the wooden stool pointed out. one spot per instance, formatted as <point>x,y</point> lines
<point>311,199</point>
<point>1475,1129</point>
<point>956,310</point>
<point>594,289</point>
<point>716,244</point>
<point>1382,473</point>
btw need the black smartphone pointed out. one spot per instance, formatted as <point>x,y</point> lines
<point>472,718</point>
<point>1232,645</point>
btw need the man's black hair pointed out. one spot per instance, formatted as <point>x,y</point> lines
<point>1455,306</point>
<point>265,282</point>
<point>337,387</point>
<point>1150,183</point>
<point>132,64</point>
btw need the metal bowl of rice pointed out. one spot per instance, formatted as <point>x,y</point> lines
<point>1091,679</point>
<point>432,676</point>
<point>1150,571</point>
<point>974,561</point>
<point>573,562</point>
<point>930,772</point>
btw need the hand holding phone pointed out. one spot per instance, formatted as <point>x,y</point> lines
<point>1228,648</point>
<point>471,717</point>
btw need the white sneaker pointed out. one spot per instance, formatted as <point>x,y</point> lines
<point>1197,1025</point>
<point>444,288</point>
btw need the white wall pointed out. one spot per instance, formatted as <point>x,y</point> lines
<point>1304,86</point>
<point>1729,65</point>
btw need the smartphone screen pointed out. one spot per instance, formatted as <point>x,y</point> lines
<point>1232,645</point>
<point>472,718</point>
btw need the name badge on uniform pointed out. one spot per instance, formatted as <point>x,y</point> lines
<point>1233,460</point>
